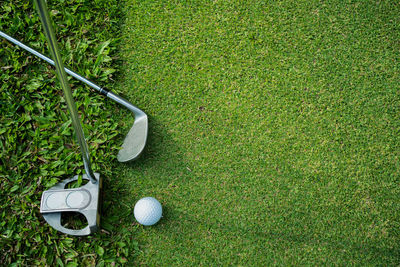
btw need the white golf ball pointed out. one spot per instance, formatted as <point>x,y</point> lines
<point>147,211</point>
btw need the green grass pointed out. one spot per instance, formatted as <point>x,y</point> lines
<point>273,138</point>
<point>37,144</point>
<point>274,131</point>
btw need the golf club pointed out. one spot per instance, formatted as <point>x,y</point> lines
<point>57,199</point>
<point>135,140</point>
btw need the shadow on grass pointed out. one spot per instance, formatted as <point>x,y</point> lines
<point>257,236</point>
<point>158,155</point>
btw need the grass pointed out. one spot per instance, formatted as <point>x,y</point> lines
<point>273,139</point>
<point>274,131</point>
<point>37,144</point>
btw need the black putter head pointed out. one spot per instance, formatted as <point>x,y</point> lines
<point>85,200</point>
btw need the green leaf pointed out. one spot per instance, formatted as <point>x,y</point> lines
<point>102,47</point>
<point>59,173</point>
<point>59,262</point>
<point>14,188</point>
<point>100,251</point>
<point>34,85</point>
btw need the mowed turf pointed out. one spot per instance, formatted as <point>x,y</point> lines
<point>274,131</point>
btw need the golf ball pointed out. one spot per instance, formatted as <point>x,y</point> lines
<point>148,211</point>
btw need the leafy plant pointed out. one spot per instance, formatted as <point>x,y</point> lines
<point>37,143</point>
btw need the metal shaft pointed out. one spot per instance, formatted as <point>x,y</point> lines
<point>50,61</point>
<point>103,91</point>
<point>62,76</point>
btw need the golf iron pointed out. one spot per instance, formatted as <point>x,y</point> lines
<point>135,140</point>
<point>58,199</point>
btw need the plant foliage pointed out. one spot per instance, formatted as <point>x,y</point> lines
<point>37,142</point>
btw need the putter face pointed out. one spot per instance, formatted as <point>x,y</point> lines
<point>85,200</point>
<point>135,140</point>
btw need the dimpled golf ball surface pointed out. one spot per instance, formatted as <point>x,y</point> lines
<point>148,211</point>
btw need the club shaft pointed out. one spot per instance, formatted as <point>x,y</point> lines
<point>50,61</point>
<point>62,76</point>
<point>103,91</point>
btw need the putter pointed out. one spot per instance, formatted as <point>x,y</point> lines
<point>56,200</point>
<point>135,140</point>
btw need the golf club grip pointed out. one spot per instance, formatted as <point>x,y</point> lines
<point>50,61</point>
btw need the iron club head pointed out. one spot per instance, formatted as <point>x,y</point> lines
<point>136,138</point>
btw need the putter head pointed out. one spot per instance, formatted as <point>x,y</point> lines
<point>135,140</point>
<point>85,200</point>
